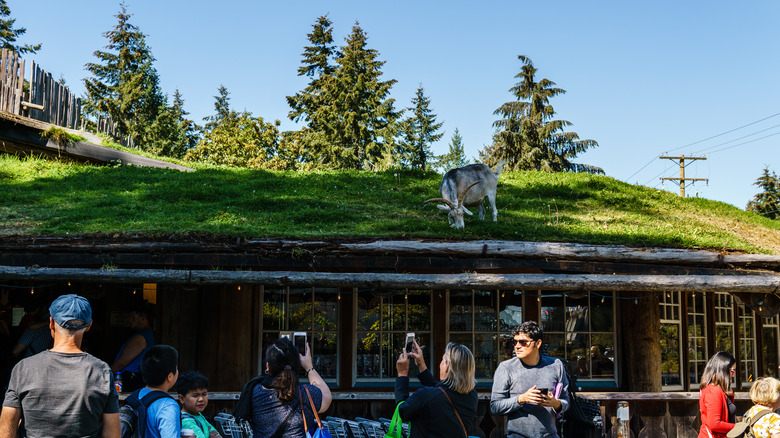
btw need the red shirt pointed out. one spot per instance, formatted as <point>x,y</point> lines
<point>714,412</point>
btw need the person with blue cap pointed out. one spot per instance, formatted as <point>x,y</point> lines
<point>62,391</point>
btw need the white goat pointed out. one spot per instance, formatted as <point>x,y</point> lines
<point>468,186</point>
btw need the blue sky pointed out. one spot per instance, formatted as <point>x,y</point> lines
<point>642,78</point>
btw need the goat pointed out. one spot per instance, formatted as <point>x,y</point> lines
<point>468,186</point>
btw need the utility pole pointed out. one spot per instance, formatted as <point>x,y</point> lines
<point>681,180</point>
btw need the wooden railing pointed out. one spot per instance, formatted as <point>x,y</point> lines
<point>37,96</point>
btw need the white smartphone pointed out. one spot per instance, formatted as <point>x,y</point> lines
<point>299,339</point>
<point>409,344</point>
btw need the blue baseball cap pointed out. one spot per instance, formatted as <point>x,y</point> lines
<point>71,307</point>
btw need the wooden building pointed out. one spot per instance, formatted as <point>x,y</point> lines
<point>627,320</point>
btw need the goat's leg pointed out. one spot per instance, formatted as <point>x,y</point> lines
<point>482,212</point>
<point>492,200</point>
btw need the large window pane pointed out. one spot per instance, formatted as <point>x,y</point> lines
<point>670,354</point>
<point>485,355</point>
<point>485,311</point>
<point>510,310</point>
<point>460,311</point>
<point>602,356</point>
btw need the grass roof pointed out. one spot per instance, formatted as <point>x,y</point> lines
<point>39,197</point>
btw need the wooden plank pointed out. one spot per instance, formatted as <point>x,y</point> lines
<point>568,282</point>
<point>19,89</point>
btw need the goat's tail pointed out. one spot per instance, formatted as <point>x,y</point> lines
<point>500,166</point>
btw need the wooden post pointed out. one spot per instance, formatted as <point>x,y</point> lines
<point>641,326</point>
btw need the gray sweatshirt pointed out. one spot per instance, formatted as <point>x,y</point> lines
<point>513,378</point>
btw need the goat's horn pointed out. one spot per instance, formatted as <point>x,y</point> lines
<point>462,194</point>
<point>452,207</point>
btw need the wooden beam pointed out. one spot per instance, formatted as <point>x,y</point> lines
<point>568,251</point>
<point>565,282</point>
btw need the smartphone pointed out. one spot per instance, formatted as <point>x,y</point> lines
<point>287,335</point>
<point>409,344</point>
<point>299,339</point>
<point>544,391</point>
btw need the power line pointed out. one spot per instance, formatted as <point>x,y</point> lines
<point>744,143</point>
<point>737,139</point>
<point>727,132</point>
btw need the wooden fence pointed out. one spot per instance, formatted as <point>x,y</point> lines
<point>37,95</point>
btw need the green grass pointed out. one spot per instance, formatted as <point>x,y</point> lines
<point>61,137</point>
<point>40,197</point>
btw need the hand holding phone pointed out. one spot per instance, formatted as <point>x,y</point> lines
<point>409,344</point>
<point>299,340</point>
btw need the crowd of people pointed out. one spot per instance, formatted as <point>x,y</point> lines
<point>58,389</point>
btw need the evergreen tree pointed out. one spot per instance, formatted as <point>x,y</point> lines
<point>315,65</point>
<point>419,131</point>
<point>528,137</point>
<point>767,202</point>
<point>239,140</point>
<point>222,109</point>
<point>9,35</point>
<point>125,85</point>
<point>456,157</point>
<point>171,134</point>
<point>358,122</point>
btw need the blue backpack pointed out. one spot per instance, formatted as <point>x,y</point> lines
<point>132,416</point>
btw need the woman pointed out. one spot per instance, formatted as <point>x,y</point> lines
<point>276,402</point>
<point>765,394</point>
<point>716,396</point>
<point>428,408</point>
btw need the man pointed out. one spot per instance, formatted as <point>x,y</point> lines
<point>524,387</point>
<point>128,360</point>
<point>63,391</point>
<point>160,369</point>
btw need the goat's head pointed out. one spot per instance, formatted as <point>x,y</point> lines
<point>454,212</point>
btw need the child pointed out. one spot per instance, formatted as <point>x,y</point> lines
<point>160,369</point>
<point>193,389</point>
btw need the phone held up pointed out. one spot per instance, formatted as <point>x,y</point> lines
<point>299,340</point>
<point>409,344</point>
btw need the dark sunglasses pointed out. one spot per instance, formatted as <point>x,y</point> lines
<point>523,342</point>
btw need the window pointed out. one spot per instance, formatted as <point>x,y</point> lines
<point>580,327</point>
<point>747,343</point>
<point>671,333</point>
<point>383,319</point>
<point>769,333</point>
<point>724,322</point>
<point>697,337</point>
<point>483,320</point>
<point>311,310</point>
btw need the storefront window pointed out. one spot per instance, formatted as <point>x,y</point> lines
<point>482,320</point>
<point>671,333</point>
<point>769,333</point>
<point>310,310</point>
<point>383,320</point>
<point>580,327</point>
<point>747,344</point>
<point>724,322</point>
<point>697,337</point>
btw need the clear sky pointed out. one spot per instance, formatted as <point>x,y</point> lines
<point>643,79</point>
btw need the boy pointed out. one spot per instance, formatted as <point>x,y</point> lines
<point>193,389</point>
<point>159,368</point>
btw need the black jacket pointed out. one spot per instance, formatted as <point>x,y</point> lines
<point>430,412</point>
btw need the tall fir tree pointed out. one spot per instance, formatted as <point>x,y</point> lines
<point>316,64</point>
<point>222,109</point>
<point>767,202</point>
<point>528,137</point>
<point>358,125</point>
<point>456,157</point>
<point>124,84</point>
<point>419,131</point>
<point>171,134</point>
<point>9,34</point>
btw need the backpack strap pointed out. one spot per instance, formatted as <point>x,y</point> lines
<point>152,397</point>
<point>758,416</point>
<point>196,420</point>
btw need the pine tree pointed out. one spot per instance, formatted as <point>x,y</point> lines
<point>358,123</point>
<point>767,202</point>
<point>9,35</point>
<point>222,109</point>
<point>316,64</point>
<point>528,137</point>
<point>419,131</point>
<point>456,157</point>
<point>171,134</point>
<point>125,85</point>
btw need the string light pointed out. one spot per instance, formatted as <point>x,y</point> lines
<point>68,284</point>
<point>602,300</point>
<point>133,291</point>
<point>636,300</point>
<point>339,296</point>
<point>32,291</point>
<point>239,288</point>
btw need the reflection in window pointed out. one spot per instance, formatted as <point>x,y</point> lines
<point>310,310</point>
<point>580,327</point>
<point>671,333</point>
<point>747,343</point>
<point>769,333</point>
<point>383,319</point>
<point>724,322</point>
<point>482,320</point>
<point>697,337</point>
